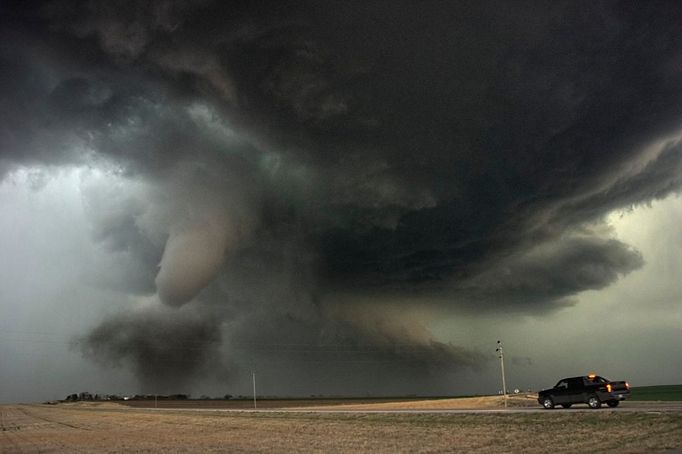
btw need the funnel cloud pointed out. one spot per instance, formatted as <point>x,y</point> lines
<point>191,259</point>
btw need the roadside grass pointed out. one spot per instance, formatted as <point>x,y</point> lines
<point>662,392</point>
<point>529,433</point>
<point>103,429</point>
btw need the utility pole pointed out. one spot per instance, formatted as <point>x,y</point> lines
<point>504,383</point>
<point>253,374</point>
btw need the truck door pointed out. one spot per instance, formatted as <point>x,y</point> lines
<point>560,392</point>
<point>576,391</point>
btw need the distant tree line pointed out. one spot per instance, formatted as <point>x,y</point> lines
<point>86,396</point>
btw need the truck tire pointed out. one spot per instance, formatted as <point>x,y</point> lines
<point>612,403</point>
<point>548,403</point>
<point>566,405</point>
<point>593,401</point>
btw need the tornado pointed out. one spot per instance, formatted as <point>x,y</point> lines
<point>192,258</point>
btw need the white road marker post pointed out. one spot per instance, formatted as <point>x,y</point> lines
<point>253,374</point>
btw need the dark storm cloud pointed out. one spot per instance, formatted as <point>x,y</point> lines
<point>166,350</point>
<point>464,153</point>
<point>550,273</point>
<point>650,180</point>
<point>522,361</point>
<point>115,213</point>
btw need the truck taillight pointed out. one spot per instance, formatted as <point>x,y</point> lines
<point>609,388</point>
<point>627,385</point>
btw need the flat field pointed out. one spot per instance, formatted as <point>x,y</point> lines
<point>116,428</point>
<point>238,404</point>
<point>657,393</point>
<point>441,403</point>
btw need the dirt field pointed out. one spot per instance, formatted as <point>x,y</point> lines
<point>115,428</point>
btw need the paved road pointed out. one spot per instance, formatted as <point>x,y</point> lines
<point>628,407</point>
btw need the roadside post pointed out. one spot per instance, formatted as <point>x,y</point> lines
<point>253,374</point>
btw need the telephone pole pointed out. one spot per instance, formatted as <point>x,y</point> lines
<point>504,383</point>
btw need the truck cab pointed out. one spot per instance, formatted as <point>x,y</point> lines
<point>591,389</point>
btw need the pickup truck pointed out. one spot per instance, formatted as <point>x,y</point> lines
<point>592,390</point>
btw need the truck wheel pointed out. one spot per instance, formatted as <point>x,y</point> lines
<point>566,405</point>
<point>593,402</point>
<point>612,403</point>
<point>548,403</point>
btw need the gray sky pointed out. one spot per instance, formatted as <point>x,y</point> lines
<point>349,200</point>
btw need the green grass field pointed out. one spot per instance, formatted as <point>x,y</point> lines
<point>663,392</point>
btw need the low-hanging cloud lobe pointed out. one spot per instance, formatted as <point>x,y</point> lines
<point>143,340</point>
<point>307,185</point>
